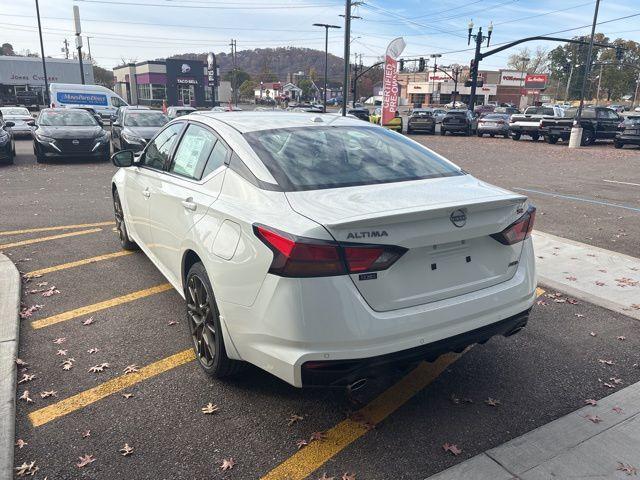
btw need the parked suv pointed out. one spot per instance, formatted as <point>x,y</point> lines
<point>629,132</point>
<point>598,123</point>
<point>459,121</point>
<point>421,119</point>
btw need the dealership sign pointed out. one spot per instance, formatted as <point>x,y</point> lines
<point>511,78</point>
<point>536,80</point>
<point>390,80</point>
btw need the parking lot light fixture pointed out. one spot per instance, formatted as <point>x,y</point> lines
<point>326,59</point>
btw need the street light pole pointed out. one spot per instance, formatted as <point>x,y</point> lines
<point>76,19</point>
<point>576,132</point>
<point>326,58</point>
<point>45,96</point>
<point>479,38</point>
<point>566,92</point>
<point>347,54</point>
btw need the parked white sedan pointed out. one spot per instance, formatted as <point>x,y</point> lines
<point>322,248</point>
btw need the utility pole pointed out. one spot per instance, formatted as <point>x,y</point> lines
<point>599,83</point>
<point>357,68</point>
<point>566,92</point>
<point>45,96</point>
<point>576,132</point>
<point>76,19</point>
<point>635,96</point>
<point>326,59</point>
<point>234,78</point>
<point>347,55</point>
<point>479,38</point>
<point>65,48</point>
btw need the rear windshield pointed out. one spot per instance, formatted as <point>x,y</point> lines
<point>456,114</point>
<point>145,119</point>
<point>70,118</point>
<point>422,113</point>
<point>495,116</point>
<point>14,111</point>
<point>311,158</point>
<point>539,111</point>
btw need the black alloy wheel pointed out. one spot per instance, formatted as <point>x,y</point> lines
<point>121,227</point>
<point>203,318</point>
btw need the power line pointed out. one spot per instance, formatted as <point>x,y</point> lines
<point>215,7</point>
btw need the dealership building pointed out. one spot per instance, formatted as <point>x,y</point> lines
<point>178,81</point>
<point>19,74</point>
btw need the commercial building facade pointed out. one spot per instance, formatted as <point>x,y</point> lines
<point>177,81</point>
<point>24,74</point>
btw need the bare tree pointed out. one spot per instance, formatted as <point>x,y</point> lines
<point>533,62</point>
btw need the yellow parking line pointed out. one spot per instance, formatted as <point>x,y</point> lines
<point>78,263</point>
<point>314,455</point>
<point>46,239</point>
<point>78,312</point>
<point>60,227</point>
<point>82,399</point>
<point>303,463</point>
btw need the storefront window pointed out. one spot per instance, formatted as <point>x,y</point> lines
<point>144,91</point>
<point>158,91</point>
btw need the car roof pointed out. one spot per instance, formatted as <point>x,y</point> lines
<point>254,121</point>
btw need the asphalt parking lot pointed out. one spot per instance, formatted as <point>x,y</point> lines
<point>115,309</point>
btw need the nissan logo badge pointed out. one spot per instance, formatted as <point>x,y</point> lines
<point>458,218</point>
<point>75,142</point>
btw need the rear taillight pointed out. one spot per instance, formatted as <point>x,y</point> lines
<point>295,256</point>
<point>500,122</point>
<point>518,230</point>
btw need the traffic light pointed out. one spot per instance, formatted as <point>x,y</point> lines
<point>402,64</point>
<point>435,68</point>
<point>421,64</point>
<point>619,53</point>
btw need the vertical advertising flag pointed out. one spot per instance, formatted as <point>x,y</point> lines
<point>390,81</point>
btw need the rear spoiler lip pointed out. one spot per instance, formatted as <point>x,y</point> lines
<point>425,212</point>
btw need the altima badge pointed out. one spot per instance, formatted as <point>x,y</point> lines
<point>458,218</point>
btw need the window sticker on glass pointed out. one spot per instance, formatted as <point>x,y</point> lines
<point>193,151</point>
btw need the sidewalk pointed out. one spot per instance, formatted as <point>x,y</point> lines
<point>571,447</point>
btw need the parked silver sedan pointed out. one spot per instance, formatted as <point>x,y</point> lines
<point>494,124</point>
<point>21,119</point>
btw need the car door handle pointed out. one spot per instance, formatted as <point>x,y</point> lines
<point>146,193</point>
<point>189,204</point>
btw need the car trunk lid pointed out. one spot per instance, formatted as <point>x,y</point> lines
<point>448,254</point>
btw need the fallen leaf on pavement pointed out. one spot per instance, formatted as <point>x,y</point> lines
<point>21,363</point>
<point>608,385</point>
<point>61,353</point>
<point>51,291</point>
<point>615,380</point>
<point>92,350</point>
<point>579,315</point>
<point>47,394</point>
<point>600,284</point>
<point>593,418</point>
<point>593,334</point>
<point>301,443</point>
<point>60,340</point>
<point>172,322</point>
<point>571,278</point>
<point>85,460</point>
<point>324,477</point>
<point>572,301</point>
<point>126,450</point>
<point>28,311</point>
<point>606,362</point>
<point>617,409</point>
<point>68,364</point>
<point>448,447</point>
<point>26,469</point>
<point>127,395</point>
<point>622,338</point>
<point>542,303</point>
<point>318,436</point>
<point>227,464</point>
<point>86,434</point>
<point>627,468</point>
<point>26,378</point>
<point>348,476</point>
<point>21,443</point>
<point>294,419</point>
<point>88,321</point>
<point>130,369</point>
<point>591,401</point>
<point>25,397</point>
<point>636,306</point>
<point>492,402</point>
<point>99,368</point>
<point>209,408</point>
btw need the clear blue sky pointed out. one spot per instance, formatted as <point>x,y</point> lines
<point>158,28</point>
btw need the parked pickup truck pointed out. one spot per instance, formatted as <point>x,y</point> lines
<point>528,123</point>
<point>598,123</point>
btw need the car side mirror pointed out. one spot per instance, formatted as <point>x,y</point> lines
<point>9,124</point>
<point>123,158</point>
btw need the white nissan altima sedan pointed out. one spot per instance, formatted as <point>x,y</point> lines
<point>321,248</point>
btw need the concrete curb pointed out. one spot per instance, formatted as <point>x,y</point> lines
<point>9,335</point>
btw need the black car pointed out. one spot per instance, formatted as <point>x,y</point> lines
<point>629,132</point>
<point>7,143</point>
<point>134,127</point>
<point>69,133</point>
<point>28,98</point>
<point>361,113</point>
<point>459,121</point>
<point>421,119</point>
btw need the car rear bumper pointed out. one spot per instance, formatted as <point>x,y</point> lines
<point>628,139</point>
<point>297,321</point>
<point>524,129</point>
<point>455,127</point>
<point>421,126</point>
<point>498,130</point>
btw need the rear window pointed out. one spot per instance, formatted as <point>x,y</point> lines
<point>329,157</point>
<point>456,114</point>
<point>494,116</point>
<point>14,111</point>
<point>422,113</point>
<point>539,111</point>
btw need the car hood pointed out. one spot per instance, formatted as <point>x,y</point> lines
<point>141,132</point>
<point>70,132</point>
